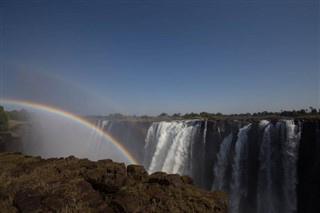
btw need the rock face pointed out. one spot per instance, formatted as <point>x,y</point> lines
<point>32,184</point>
<point>309,168</point>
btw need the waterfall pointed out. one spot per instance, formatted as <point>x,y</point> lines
<point>202,163</point>
<point>291,133</point>
<point>238,184</point>
<point>205,131</point>
<point>95,145</point>
<point>256,165</point>
<point>171,143</point>
<point>221,166</point>
<point>150,144</point>
<point>96,136</point>
<point>264,153</point>
<point>265,197</point>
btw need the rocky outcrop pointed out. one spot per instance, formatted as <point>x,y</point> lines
<point>32,184</point>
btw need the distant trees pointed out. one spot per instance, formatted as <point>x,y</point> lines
<point>204,114</point>
<point>163,115</point>
<point>191,115</point>
<point>4,120</point>
<point>22,115</point>
<point>313,110</point>
<point>310,113</point>
<point>116,116</point>
<point>176,115</point>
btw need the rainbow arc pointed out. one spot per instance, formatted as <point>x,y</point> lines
<point>75,118</point>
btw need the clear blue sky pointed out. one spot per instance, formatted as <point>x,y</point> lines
<point>140,57</point>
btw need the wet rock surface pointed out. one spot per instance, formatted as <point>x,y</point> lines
<point>32,184</point>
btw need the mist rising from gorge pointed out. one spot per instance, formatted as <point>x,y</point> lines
<point>56,136</point>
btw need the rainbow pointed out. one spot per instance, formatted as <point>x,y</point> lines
<point>75,118</point>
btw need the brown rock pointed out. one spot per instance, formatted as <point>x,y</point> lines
<point>125,202</point>
<point>54,203</point>
<point>108,180</point>
<point>138,172</point>
<point>27,200</point>
<point>31,184</point>
<point>187,180</point>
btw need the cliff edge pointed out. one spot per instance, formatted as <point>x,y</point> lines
<point>33,184</point>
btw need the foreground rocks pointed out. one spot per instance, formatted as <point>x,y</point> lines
<point>32,184</point>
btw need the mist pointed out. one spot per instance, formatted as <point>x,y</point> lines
<point>53,135</point>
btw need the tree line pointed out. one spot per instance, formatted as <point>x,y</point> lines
<point>311,113</point>
<point>302,113</point>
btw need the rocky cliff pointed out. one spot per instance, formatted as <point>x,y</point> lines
<point>33,184</point>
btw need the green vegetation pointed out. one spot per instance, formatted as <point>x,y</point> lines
<point>22,115</point>
<point>305,114</point>
<point>11,119</point>
<point>4,120</point>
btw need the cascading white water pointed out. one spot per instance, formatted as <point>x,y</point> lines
<point>150,144</point>
<point>96,136</point>
<point>178,154</point>
<point>291,133</point>
<point>238,190</point>
<point>172,146</point>
<point>265,197</point>
<point>204,139</point>
<point>95,144</point>
<point>205,131</point>
<point>165,135</point>
<point>220,167</point>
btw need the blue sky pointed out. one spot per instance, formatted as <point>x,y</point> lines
<point>140,57</point>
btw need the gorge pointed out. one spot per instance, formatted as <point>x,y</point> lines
<point>263,165</point>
